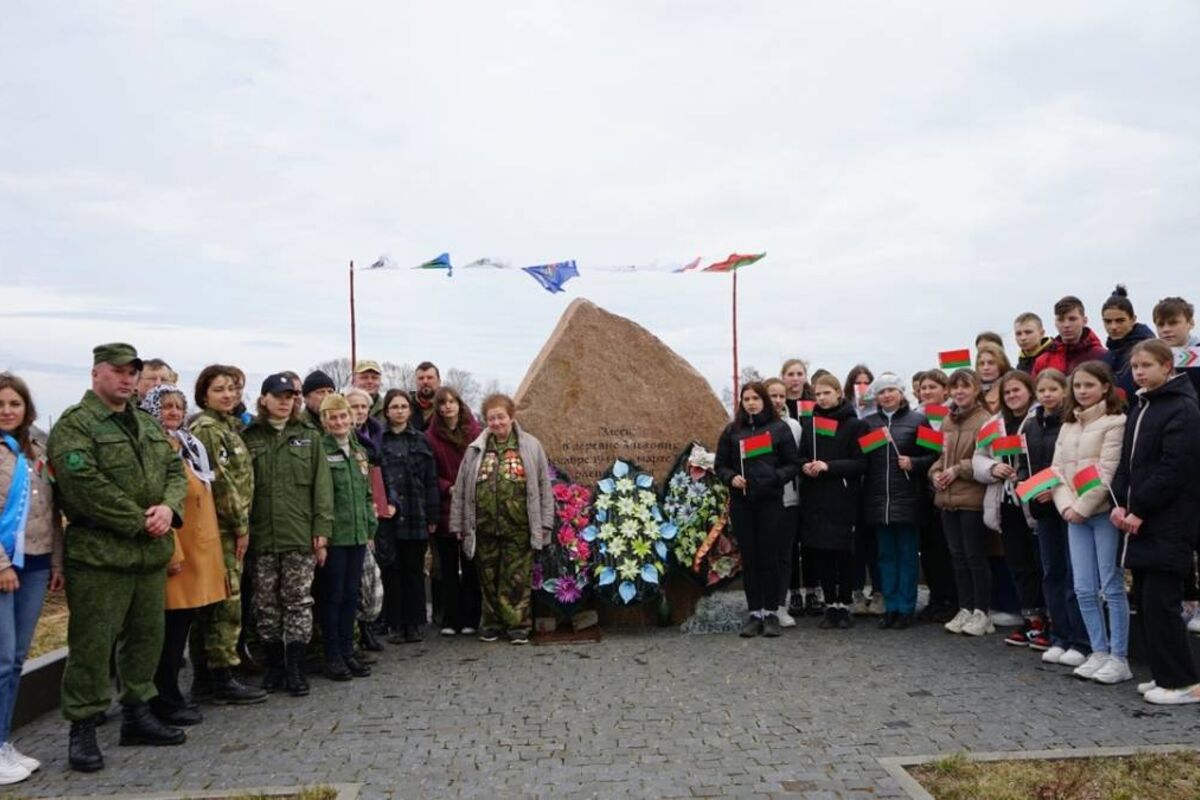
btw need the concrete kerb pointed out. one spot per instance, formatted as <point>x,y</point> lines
<point>345,791</point>
<point>897,766</point>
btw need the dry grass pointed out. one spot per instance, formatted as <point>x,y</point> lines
<point>311,793</point>
<point>51,632</point>
<point>1148,776</point>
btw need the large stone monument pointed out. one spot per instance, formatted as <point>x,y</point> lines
<point>603,387</point>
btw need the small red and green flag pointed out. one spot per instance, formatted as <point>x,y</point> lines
<point>936,413</point>
<point>954,359</point>
<point>805,408</point>
<point>735,261</point>
<point>824,426</point>
<point>1087,479</point>
<point>1004,446</point>
<point>930,439</point>
<point>874,440</point>
<point>988,433</point>
<point>757,445</point>
<point>1043,481</point>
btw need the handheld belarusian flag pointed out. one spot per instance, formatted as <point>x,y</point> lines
<point>935,412</point>
<point>930,439</point>
<point>1186,357</point>
<point>824,426</point>
<point>874,440</point>
<point>1087,479</point>
<point>988,433</point>
<point>954,359</point>
<point>757,445</point>
<point>1008,445</point>
<point>805,408</point>
<point>735,261</point>
<point>1043,481</point>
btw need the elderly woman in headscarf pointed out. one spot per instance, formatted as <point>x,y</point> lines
<point>196,574</point>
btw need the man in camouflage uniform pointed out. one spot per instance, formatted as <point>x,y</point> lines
<point>122,489</point>
<point>215,633</point>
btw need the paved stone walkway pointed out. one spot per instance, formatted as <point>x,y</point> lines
<point>644,713</point>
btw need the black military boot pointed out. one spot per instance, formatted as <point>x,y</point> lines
<point>273,681</point>
<point>82,751</point>
<point>367,638</point>
<point>227,689</point>
<point>297,684</point>
<point>170,714</point>
<point>357,668</point>
<point>139,726</point>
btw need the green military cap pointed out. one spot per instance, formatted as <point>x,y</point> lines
<point>116,353</point>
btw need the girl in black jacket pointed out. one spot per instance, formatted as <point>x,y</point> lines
<point>756,480</point>
<point>1155,485</point>
<point>832,466</point>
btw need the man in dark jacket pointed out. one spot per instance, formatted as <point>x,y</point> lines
<point>1075,343</point>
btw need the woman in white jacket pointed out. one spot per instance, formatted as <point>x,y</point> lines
<point>1092,433</point>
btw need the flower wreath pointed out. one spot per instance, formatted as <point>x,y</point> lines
<point>697,503</point>
<point>632,536</point>
<point>560,570</point>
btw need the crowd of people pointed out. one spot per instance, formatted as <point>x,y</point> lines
<point>210,532</point>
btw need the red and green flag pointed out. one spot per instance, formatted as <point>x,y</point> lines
<point>824,426</point>
<point>805,408</point>
<point>735,261</point>
<point>936,413</point>
<point>1043,481</point>
<point>757,445</point>
<point>1008,445</point>
<point>1087,479</point>
<point>988,433</point>
<point>874,440</point>
<point>930,439</point>
<point>954,359</point>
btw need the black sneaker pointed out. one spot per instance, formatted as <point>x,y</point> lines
<point>888,620</point>
<point>796,605</point>
<point>771,626</point>
<point>488,635</point>
<point>903,621</point>
<point>356,667</point>
<point>336,671</point>
<point>814,606</point>
<point>753,626</point>
<point>844,619</point>
<point>518,637</point>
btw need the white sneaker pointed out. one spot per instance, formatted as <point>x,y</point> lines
<point>1173,697</point>
<point>1147,686</point>
<point>11,771</point>
<point>859,607</point>
<point>876,605</point>
<point>1004,619</point>
<point>1115,670</point>
<point>13,754</point>
<point>1053,655</point>
<point>449,632</point>
<point>1072,658</point>
<point>786,620</point>
<point>956,625</point>
<point>1193,625</point>
<point>468,631</point>
<point>1089,667</point>
<point>978,624</point>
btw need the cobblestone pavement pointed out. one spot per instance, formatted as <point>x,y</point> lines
<point>649,713</point>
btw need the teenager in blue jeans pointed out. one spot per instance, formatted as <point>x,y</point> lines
<point>30,557</point>
<point>1091,436</point>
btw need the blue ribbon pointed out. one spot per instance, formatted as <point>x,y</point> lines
<point>16,507</point>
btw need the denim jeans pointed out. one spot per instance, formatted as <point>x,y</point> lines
<point>898,566</point>
<point>1095,547</point>
<point>1058,585</point>
<point>19,613</point>
<point>341,577</point>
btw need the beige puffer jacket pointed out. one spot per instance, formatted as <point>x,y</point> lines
<point>1094,438</point>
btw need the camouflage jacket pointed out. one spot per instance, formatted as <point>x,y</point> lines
<point>293,491</point>
<point>110,468</point>
<point>233,486</point>
<point>353,503</point>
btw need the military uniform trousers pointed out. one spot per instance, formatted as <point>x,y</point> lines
<point>111,608</point>
<point>216,627</point>
<point>283,598</point>
<point>505,563</point>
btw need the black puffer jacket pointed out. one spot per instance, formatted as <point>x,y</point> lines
<point>1041,433</point>
<point>1158,476</point>
<point>829,502</point>
<point>410,477</point>
<point>765,474</point>
<point>1118,354</point>
<point>889,498</point>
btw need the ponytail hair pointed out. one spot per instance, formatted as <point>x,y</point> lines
<point>1119,299</point>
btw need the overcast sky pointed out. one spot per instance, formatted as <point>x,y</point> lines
<point>194,177</point>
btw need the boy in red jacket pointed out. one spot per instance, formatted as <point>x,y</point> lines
<point>1075,343</point>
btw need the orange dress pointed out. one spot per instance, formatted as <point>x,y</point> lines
<point>198,548</point>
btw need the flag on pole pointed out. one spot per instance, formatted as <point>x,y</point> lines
<point>553,276</point>
<point>383,262</point>
<point>688,267</point>
<point>824,426</point>
<point>757,445</point>
<point>1008,445</point>
<point>1043,481</point>
<point>954,359</point>
<point>805,408</point>
<point>440,262</point>
<point>874,440</point>
<point>988,434</point>
<point>1186,357</point>
<point>735,261</point>
<point>490,263</point>
<point>1087,479</point>
<point>935,412</point>
<point>930,439</point>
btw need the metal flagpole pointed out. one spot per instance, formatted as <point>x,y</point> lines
<point>736,374</point>
<point>353,327</point>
